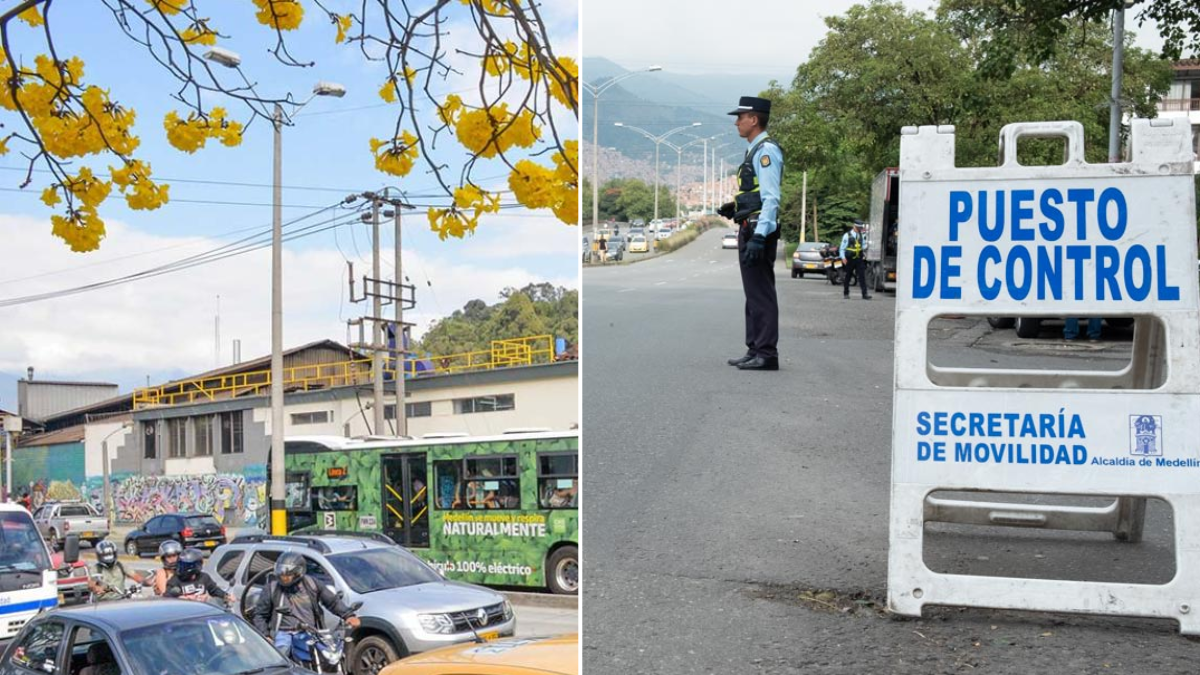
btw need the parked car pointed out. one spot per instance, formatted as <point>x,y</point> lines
<point>517,656</point>
<point>159,636</point>
<point>408,607</point>
<point>1031,327</point>
<point>55,520</point>
<point>192,530</point>
<point>638,244</point>
<point>72,580</point>
<point>729,240</point>
<point>808,258</point>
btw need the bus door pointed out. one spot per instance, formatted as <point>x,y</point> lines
<point>405,499</point>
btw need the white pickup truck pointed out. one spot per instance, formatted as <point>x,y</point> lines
<point>55,520</point>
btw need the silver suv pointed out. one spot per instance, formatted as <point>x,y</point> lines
<point>407,606</point>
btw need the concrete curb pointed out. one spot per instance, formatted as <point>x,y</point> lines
<point>522,598</point>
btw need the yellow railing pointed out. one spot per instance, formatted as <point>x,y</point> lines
<point>510,353</point>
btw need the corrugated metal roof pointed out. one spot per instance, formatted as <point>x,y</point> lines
<point>69,435</point>
<point>71,383</point>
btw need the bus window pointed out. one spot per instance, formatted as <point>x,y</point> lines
<point>336,498</point>
<point>493,483</point>
<point>558,481</point>
<point>448,479</point>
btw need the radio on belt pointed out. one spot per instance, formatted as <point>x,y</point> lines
<point>1077,239</point>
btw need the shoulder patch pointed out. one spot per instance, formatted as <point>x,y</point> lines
<point>766,160</point>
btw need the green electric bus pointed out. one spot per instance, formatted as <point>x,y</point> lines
<point>499,510</point>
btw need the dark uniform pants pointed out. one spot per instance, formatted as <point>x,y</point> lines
<point>857,267</point>
<point>762,305</point>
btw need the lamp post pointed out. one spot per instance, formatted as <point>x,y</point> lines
<point>715,185</point>
<point>596,90</point>
<point>679,169</point>
<point>657,141</point>
<point>125,426</point>
<point>230,59</point>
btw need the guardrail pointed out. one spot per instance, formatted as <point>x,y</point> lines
<point>510,353</point>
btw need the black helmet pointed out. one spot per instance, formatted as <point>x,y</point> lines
<point>188,567</point>
<point>289,569</point>
<point>106,553</point>
<point>169,547</point>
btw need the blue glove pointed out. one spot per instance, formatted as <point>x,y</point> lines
<point>753,255</point>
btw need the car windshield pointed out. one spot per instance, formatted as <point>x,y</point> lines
<point>21,547</point>
<point>380,568</point>
<point>811,246</point>
<point>216,645</point>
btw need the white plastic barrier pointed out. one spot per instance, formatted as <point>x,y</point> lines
<point>1079,239</point>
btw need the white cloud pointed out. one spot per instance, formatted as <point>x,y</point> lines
<point>165,324</point>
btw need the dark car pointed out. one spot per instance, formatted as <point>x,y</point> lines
<point>808,258</point>
<point>159,636</point>
<point>196,530</point>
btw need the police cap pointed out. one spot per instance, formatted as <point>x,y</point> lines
<point>752,104</point>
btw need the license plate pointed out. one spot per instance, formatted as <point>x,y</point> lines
<point>810,265</point>
<point>87,534</point>
<point>489,636</point>
<point>210,544</point>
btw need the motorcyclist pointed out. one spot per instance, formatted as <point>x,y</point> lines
<point>190,583</point>
<point>109,576</point>
<point>168,553</point>
<point>302,598</point>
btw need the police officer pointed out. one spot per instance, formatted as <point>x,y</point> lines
<point>755,209</point>
<point>851,252</point>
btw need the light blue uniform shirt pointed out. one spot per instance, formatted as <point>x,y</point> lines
<point>769,179</point>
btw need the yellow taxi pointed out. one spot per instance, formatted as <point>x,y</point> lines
<point>637,244</point>
<point>510,656</point>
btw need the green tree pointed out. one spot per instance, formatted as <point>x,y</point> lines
<point>881,67</point>
<point>536,309</point>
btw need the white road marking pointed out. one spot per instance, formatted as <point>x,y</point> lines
<point>660,283</point>
<point>626,290</point>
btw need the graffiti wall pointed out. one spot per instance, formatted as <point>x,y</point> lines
<point>40,469</point>
<point>237,500</point>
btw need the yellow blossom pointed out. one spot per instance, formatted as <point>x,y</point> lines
<point>491,131</point>
<point>538,187</point>
<point>50,196</point>
<point>81,229</point>
<point>167,6</point>
<point>343,25</point>
<point>388,91</point>
<point>396,156</point>
<point>3,146</point>
<point>281,14</point>
<point>31,17</point>
<point>199,35</point>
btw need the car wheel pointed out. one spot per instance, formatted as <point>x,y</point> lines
<point>373,653</point>
<point>795,274</point>
<point>562,571</point>
<point>1001,321</point>
<point>131,548</point>
<point>1028,328</point>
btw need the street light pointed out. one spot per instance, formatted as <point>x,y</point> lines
<point>657,140</point>
<point>596,91</point>
<point>715,185</point>
<point>125,426</point>
<point>679,168</point>
<point>231,59</point>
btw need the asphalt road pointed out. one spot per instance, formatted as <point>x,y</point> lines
<point>737,521</point>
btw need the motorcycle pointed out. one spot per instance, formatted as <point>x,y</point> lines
<point>833,264</point>
<point>326,646</point>
<point>131,591</point>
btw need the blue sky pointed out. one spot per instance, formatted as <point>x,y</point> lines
<point>164,327</point>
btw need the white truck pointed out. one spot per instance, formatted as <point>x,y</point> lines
<point>883,230</point>
<point>55,520</point>
<point>28,580</point>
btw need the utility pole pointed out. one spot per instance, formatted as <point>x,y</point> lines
<point>376,329</point>
<point>399,348</point>
<point>278,467</point>
<point>804,205</point>
<point>1118,65</point>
